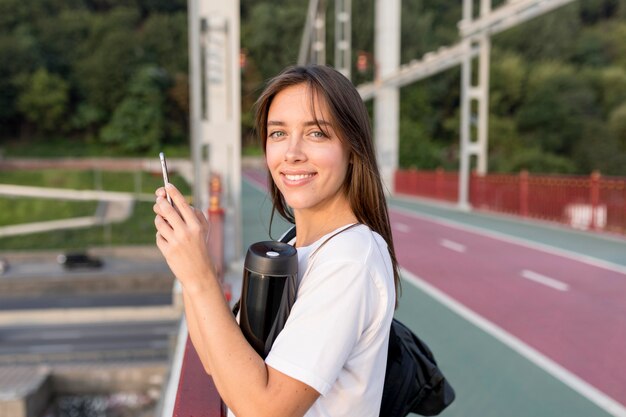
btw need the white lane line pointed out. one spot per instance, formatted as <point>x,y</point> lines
<point>542,279</point>
<point>449,244</point>
<point>587,390</point>
<point>600,263</point>
<point>401,227</point>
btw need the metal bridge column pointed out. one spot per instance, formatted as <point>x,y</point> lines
<point>343,36</point>
<point>471,93</point>
<point>387,99</point>
<point>215,109</point>
<point>318,47</point>
<point>313,43</point>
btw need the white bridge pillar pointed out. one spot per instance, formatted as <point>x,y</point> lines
<point>474,140</point>
<point>387,98</point>
<point>216,110</point>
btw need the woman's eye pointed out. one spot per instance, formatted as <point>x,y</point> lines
<point>276,134</point>
<point>318,135</point>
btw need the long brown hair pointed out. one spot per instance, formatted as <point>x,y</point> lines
<point>350,120</point>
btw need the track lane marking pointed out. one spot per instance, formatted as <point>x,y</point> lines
<point>575,256</point>
<point>401,227</point>
<point>449,244</point>
<point>573,381</point>
<point>544,280</point>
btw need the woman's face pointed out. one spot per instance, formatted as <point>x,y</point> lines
<point>308,166</point>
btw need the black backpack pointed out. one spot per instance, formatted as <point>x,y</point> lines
<point>413,382</point>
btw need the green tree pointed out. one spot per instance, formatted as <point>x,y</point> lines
<point>600,151</point>
<point>108,58</point>
<point>44,100</point>
<point>18,56</point>
<point>593,11</point>
<point>504,143</point>
<point>60,38</point>
<point>417,127</point>
<point>558,103</point>
<point>509,73</point>
<point>273,50</point>
<point>138,121</point>
<point>549,37</point>
<point>617,125</point>
<point>417,150</point>
<point>534,159</point>
<point>163,39</point>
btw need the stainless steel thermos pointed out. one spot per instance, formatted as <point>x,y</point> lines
<point>268,292</point>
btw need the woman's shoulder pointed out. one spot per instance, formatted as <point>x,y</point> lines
<point>358,244</point>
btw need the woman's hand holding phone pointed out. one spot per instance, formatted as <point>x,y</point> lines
<point>182,237</point>
<point>166,175</point>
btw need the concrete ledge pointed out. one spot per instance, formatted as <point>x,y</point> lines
<point>103,379</point>
<point>24,391</point>
<point>126,252</point>
<point>89,315</point>
<point>127,283</point>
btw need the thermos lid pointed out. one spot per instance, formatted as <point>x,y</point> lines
<point>272,258</point>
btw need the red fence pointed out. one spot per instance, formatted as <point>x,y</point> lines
<point>583,202</point>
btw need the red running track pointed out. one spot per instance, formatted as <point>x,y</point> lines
<point>581,326</point>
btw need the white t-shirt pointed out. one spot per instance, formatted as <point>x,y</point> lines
<point>336,337</point>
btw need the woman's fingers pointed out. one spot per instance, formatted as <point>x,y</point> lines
<point>199,214</point>
<point>164,209</point>
<point>185,210</point>
<point>160,192</point>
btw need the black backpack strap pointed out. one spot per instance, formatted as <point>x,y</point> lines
<point>288,236</point>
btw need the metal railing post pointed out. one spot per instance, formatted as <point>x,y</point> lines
<point>216,220</point>
<point>594,196</point>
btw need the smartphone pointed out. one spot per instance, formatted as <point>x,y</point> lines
<point>166,177</point>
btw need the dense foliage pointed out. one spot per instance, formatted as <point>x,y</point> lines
<point>106,72</point>
<point>113,74</point>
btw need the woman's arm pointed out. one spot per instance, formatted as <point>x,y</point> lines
<point>246,384</point>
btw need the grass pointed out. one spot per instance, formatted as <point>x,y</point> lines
<point>137,230</point>
<point>132,182</point>
<point>27,210</point>
<point>51,147</point>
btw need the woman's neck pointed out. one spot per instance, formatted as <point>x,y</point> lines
<point>310,226</point>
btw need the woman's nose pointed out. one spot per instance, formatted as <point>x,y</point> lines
<point>294,152</point>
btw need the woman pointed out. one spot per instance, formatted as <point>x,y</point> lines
<point>330,358</point>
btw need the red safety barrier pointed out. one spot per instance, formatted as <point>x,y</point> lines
<point>437,184</point>
<point>583,202</point>
<point>196,395</point>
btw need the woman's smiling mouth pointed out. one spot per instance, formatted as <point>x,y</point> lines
<point>297,177</point>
